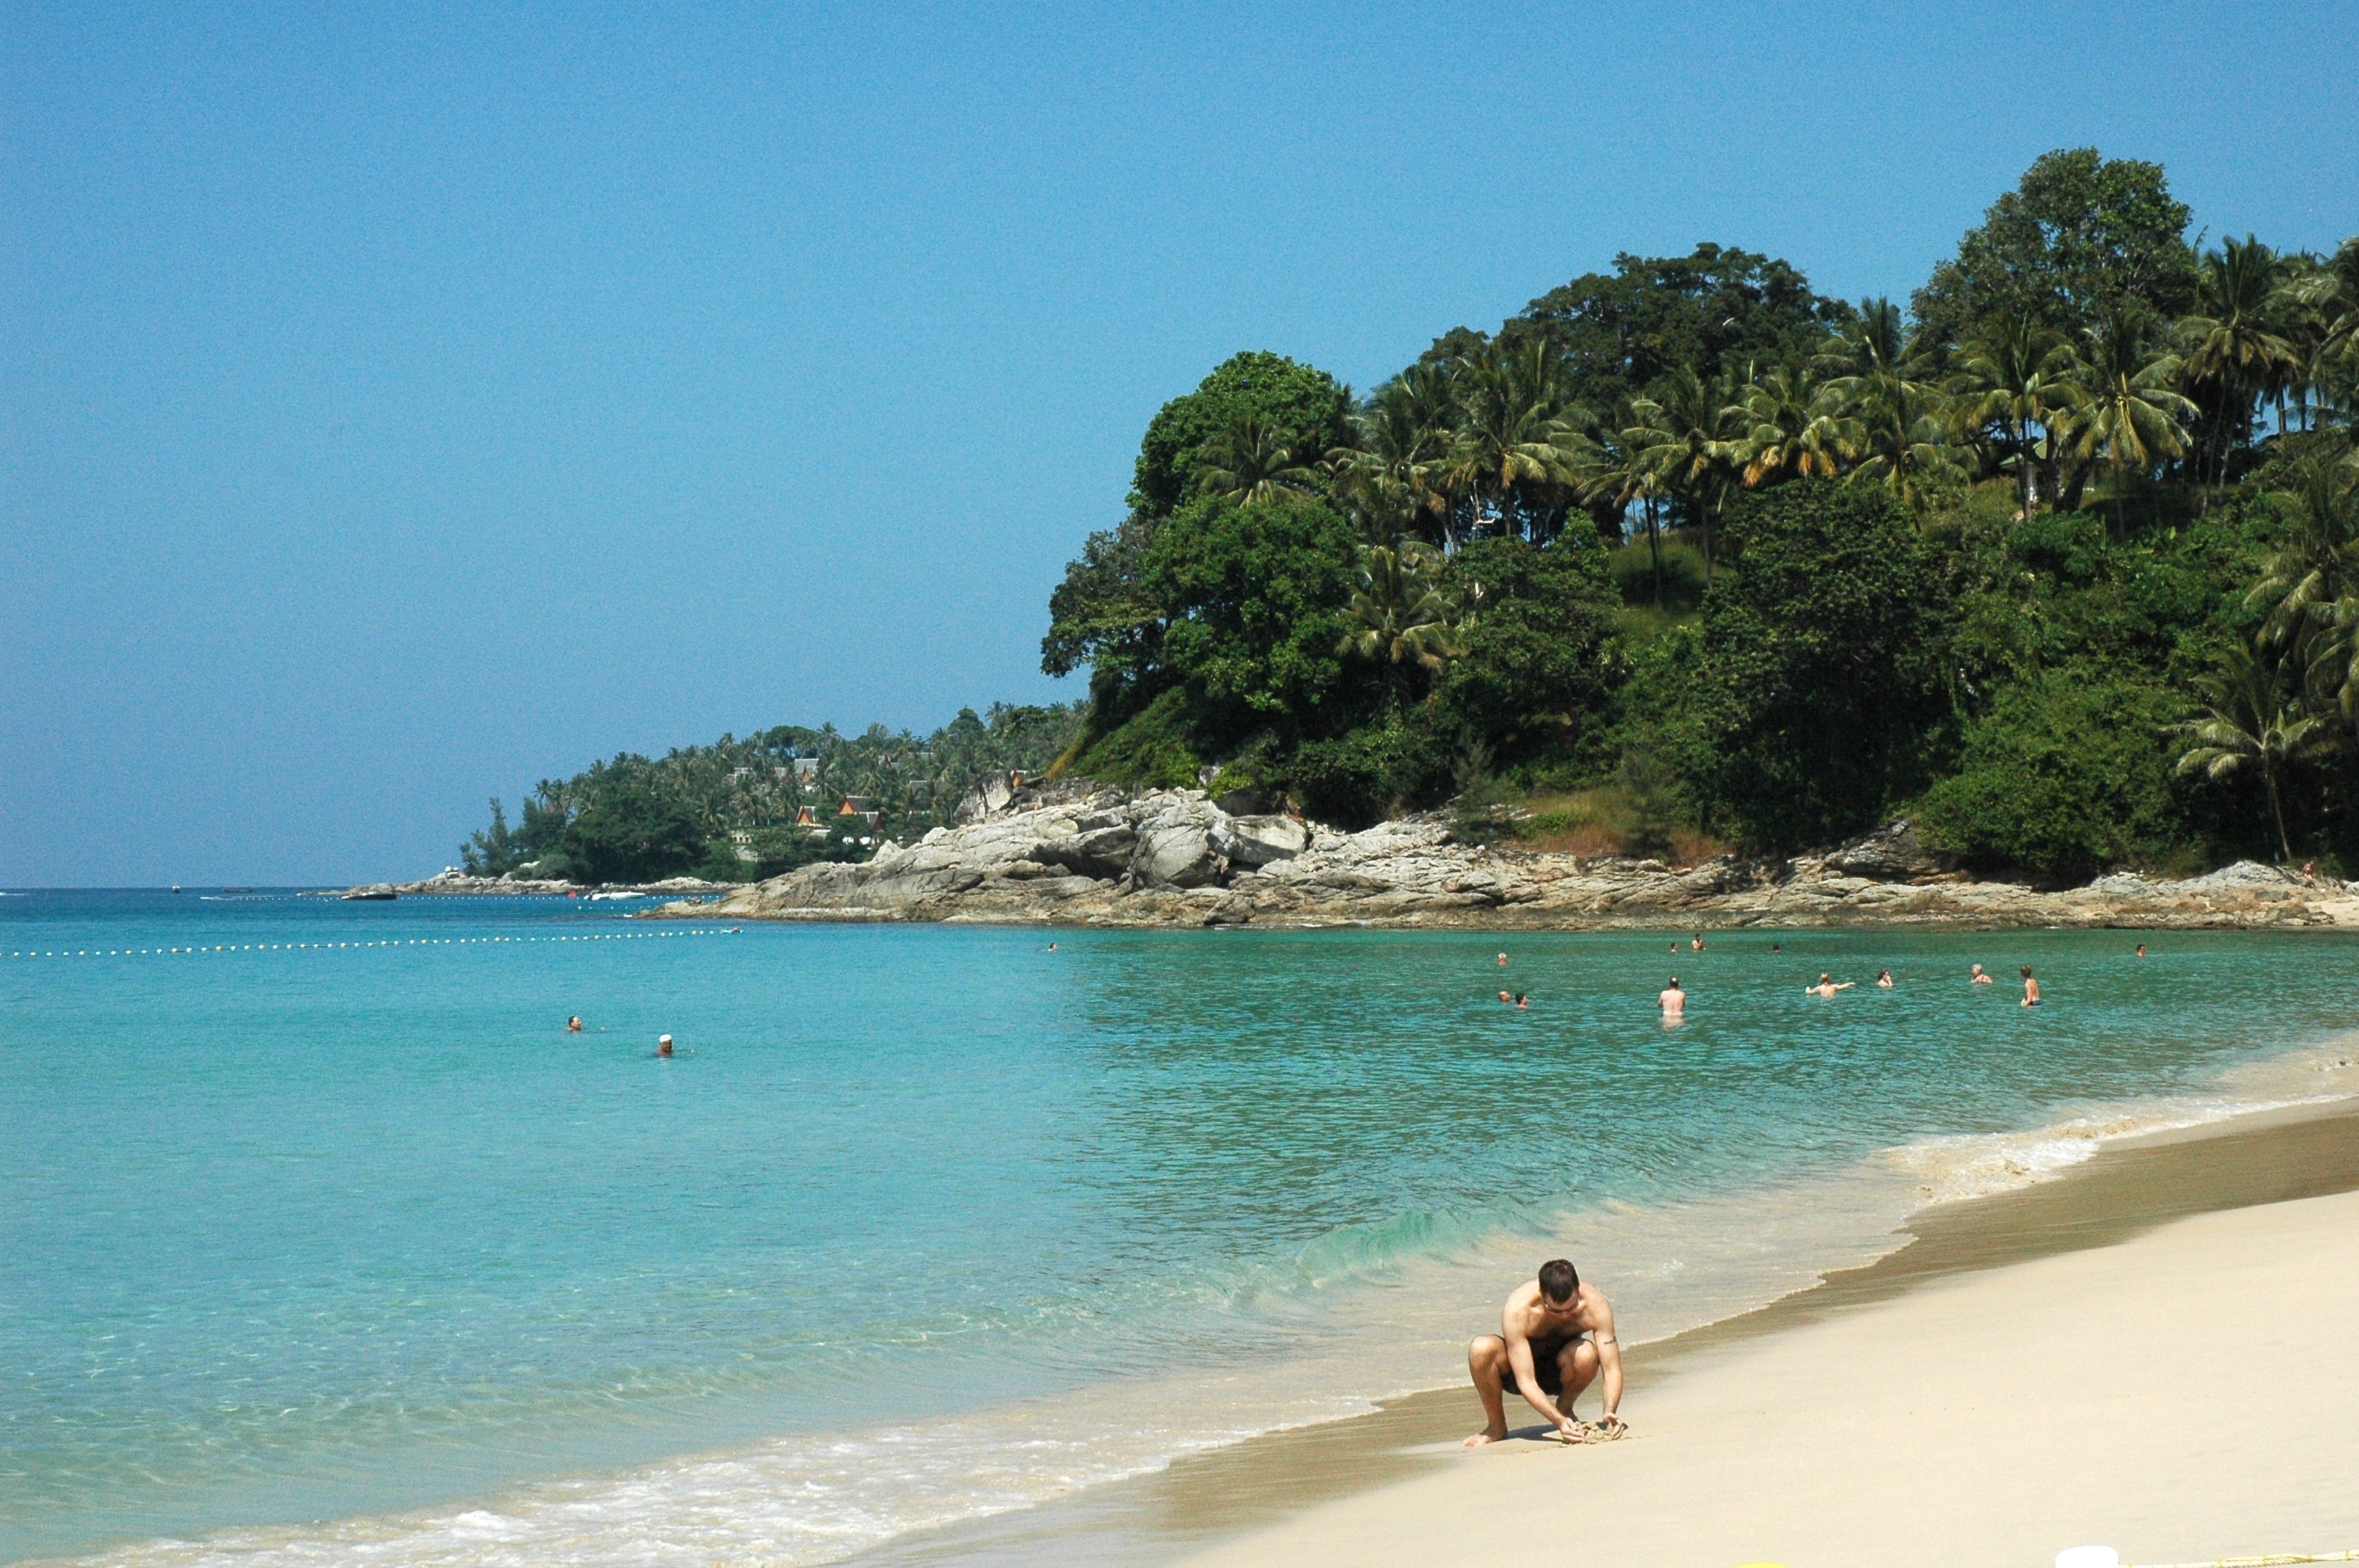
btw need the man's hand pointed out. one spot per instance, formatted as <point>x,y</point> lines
<point>1568,1428</point>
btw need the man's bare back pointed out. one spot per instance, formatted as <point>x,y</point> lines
<point>1674,1001</point>
<point>1549,1350</point>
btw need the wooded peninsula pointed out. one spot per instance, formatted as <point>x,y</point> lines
<point>2059,560</point>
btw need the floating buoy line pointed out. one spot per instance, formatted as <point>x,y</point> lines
<point>382,942</point>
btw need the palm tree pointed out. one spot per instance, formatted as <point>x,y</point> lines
<point>2328,296</point>
<point>1874,342</point>
<point>1399,611</point>
<point>1618,472</point>
<point>2319,563</point>
<point>1517,430</point>
<point>2019,374</point>
<point>2311,582</point>
<point>1900,430</point>
<point>1792,425</point>
<point>2130,411</point>
<point>2232,346</point>
<point>1687,434</point>
<point>1398,441</point>
<point>1253,462</point>
<point>2248,716</point>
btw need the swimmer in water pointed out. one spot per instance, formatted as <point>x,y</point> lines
<point>1503,961</point>
<point>2030,988</point>
<point>2141,952</point>
<point>1698,943</point>
<point>1674,1002</point>
<point>573,1024</point>
<point>1980,978</point>
<point>1827,987</point>
<point>1052,946</point>
<point>1505,997</point>
<point>663,1046</point>
<point>1523,1003</point>
<point>1884,979</point>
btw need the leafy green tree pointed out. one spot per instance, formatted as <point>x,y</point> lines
<point>634,834</point>
<point>1620,333</point>
<point>1534,622</point>
<point>1305,402</point>
<point>2252,716</point>
<point>1255,602</point>
<point>1101,613</point>
<point>2078,236</point>
<point>1824,662</point>
<point>491,851</point>
<point>2065,773</point>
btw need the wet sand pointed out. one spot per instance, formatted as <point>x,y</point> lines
<point>2092,1250</point>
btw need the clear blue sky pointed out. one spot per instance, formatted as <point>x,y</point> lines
<point>398,406</point>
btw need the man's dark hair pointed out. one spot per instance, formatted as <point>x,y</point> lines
<point>1559,1280</point>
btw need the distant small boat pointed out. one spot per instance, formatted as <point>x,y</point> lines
<point>597,897</point>
<point>374,895</point>
<point>237,890</point>
<point>176,887</point>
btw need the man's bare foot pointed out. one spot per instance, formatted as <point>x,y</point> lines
<point>1488,1434</point>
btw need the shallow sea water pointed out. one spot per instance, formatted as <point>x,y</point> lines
<point>326,1243</point>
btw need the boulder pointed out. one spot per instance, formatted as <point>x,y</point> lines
<point>1104,851</point>
<point>1176,855</point>
<point>1893,853</point>
<point>1258,840</point>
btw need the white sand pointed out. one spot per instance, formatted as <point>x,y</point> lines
<point>2188,1395</point>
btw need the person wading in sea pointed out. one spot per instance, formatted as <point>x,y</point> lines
<point>1674,1001</point>
<point>1556,1334</point>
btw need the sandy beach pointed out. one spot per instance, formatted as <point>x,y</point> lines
<point>2181,1385</point>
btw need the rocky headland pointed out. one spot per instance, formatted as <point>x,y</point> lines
<point>1075,854</point>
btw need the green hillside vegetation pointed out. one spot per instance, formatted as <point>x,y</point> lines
<point>640,819</point>
<point>2061,559</point>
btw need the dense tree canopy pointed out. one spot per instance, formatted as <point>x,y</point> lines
<point>1622,332</point>
<point>1823,683</point>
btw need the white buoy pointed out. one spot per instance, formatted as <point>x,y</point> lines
<point>2088,1557</point>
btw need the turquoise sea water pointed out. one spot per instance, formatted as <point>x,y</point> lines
<point>306,1247</point>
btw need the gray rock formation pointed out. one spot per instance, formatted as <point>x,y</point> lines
<point>1073,853</point>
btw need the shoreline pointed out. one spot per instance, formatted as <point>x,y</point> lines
<point>1073,855</point>
<point>1252,1501</point>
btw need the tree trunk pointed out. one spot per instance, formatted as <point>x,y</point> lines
<point>1655,549</point>
<point>2285,845</point>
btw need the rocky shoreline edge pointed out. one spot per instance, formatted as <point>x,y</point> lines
<point>459,884</point>
<point>1073,854</point>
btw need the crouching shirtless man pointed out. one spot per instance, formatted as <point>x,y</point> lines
<point>1556,1334</point>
